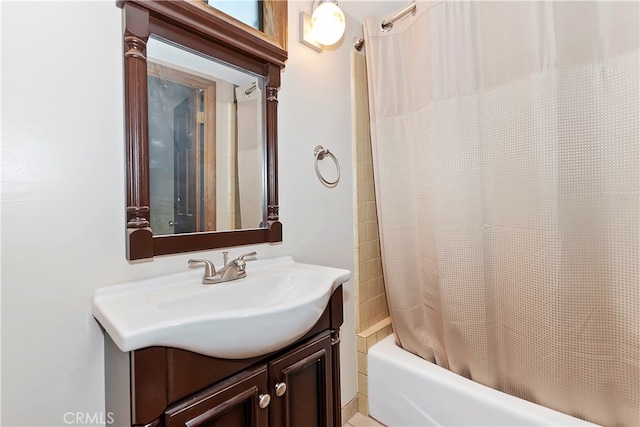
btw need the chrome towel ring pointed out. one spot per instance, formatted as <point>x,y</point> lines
<point>320,152</point>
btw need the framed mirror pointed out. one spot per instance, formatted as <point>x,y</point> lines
<point>201,129</point>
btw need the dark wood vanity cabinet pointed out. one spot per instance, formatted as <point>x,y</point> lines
<point>296,386</point>
<point>301,384</point>
<point>232,403</point>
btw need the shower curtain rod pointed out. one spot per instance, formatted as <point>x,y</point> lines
<point>251,89</point>
<point>386,25</point>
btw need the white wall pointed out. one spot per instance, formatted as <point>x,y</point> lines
<point>63,196</point>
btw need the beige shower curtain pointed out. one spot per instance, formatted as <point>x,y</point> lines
<point>506,153</point>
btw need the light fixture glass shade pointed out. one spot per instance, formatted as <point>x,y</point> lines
<point>327,23</point>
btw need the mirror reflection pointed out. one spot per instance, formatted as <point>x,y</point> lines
<point>206,143</point>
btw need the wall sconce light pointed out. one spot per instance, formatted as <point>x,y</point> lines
<point>325,27</point>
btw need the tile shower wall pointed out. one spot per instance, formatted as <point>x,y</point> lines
<point>371,299</point>
<point>366,339</point>
<point>372,313</point>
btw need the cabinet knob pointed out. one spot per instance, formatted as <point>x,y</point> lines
<point>264,400</point>
<point>281,389</point>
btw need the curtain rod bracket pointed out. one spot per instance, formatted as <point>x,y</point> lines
<point>386,25</point>
<point>358,43</point>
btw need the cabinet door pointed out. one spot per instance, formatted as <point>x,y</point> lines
<point>240,401</point>
<point>300,385</point>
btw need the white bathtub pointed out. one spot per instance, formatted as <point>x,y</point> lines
<point>405,390</point>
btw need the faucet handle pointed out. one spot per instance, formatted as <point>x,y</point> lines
<point>254,253</point>
<point>241,264</point>
<point>209,268</point>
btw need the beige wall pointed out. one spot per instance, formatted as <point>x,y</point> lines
<point>63,202</point>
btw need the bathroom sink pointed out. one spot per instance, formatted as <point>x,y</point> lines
<point>278,302</point>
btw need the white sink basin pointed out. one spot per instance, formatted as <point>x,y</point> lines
<point>278,302</point>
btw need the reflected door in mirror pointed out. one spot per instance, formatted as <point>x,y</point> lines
<point>187,165</point>
<point>182,143</point>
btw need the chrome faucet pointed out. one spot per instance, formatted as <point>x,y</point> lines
<point>235,269</point>
<point>210,275</point>
<point>231,271</point>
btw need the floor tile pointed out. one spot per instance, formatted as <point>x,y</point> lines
<point>360,420</point>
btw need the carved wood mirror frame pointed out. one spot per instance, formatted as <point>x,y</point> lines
<point>196,26</point>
